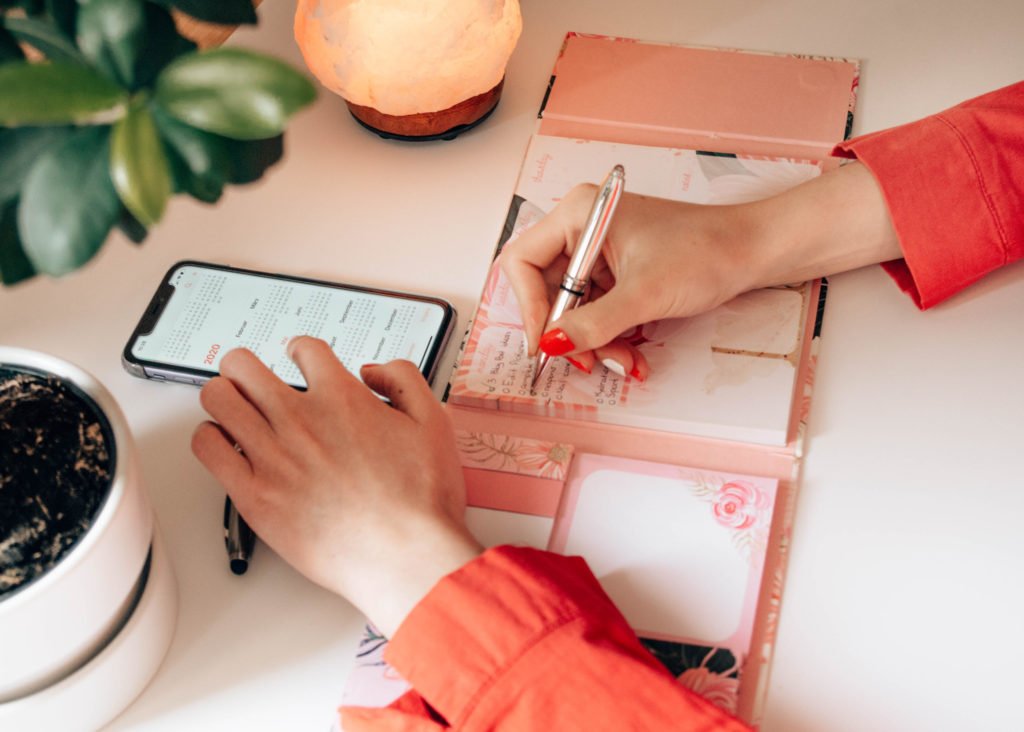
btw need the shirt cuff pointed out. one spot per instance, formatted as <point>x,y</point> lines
<point>927,170</point>
<point>500,604</point>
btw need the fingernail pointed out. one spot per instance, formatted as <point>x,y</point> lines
<point>614,366</point>
<point>635,373</point>
<point>577,364</point>
<point>526,343</point>
<point>370,365</point>
<point>556,343</point>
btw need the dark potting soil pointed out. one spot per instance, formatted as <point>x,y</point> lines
<point>56,464</point>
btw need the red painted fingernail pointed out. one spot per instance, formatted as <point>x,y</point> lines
<point>635,373</point>
<point>556,343</point>
<point>577,364</point>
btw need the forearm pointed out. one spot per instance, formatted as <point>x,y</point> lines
<point>387,584</point>
<point>939,199</point>
<point>834,223</point>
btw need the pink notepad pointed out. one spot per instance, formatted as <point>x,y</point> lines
<point>680,491</point>
<point>681,551</point>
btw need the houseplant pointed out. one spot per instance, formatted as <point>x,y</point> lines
<point>87,594</point>
<point>106,110</point>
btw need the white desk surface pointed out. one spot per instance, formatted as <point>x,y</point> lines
<point>903,605</point>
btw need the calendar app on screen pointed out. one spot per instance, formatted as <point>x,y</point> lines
<point>213,311</point>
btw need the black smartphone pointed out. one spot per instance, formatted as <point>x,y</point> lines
<point>201,311</point>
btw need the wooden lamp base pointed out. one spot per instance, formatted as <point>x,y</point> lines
<point>446,124</point>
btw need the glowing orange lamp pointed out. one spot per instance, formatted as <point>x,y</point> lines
<point>411,69</point>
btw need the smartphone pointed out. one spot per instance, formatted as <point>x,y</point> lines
<point>201,311</point>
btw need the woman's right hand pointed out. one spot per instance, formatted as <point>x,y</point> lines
<point>666,259</point>
<point>661,259</point>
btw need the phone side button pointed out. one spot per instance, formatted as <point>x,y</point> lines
<point>158,377</point>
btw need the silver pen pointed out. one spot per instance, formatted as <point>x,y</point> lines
<point>588,248</point>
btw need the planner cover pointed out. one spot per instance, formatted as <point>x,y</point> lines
<point>729,101</point>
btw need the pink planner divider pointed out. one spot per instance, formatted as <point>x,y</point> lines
<point>510,473</point>
<point>632,442</point>
<point>510,492</point>
<point>699,98</point>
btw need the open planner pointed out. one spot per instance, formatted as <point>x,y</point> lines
<point>678,491</point>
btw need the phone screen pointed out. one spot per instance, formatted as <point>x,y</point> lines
<point>212,311</point>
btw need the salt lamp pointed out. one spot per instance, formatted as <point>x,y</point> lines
<point>411,69</point>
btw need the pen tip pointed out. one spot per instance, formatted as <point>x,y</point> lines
<point>239,566</point>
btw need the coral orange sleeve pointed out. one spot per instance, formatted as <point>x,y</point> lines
<point>521,639</point>
<point>954,184</point>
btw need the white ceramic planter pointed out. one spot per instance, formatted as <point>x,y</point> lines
<point>59,625</point>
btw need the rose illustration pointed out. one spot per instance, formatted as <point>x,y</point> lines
<point>738,504</point>
<point>721,691</point>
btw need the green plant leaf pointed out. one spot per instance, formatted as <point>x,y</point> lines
<point>226,12</point>
<point>68,203</point>
<point>231,92</point>
<point>14,265</point>
<point>9,48</point>
<point>19,148</point>
<point>46,38</point>
<point>54,93</point>
<point>200,161</point>
<point>251,158</point>
<point>163,45</point>
<point>130,41</point>
<point>138,166</point>
<point>31,7</point>
<point>63,13</point>
<point>111,34</point>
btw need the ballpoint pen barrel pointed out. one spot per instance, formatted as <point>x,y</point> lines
<point>584,257</point>
<point>564,302</point>
<point>588,247</point>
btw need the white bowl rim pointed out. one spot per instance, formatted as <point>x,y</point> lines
<point>12,358</point>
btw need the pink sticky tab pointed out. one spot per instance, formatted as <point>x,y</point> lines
<point>512,492</point>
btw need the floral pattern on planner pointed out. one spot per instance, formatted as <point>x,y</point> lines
<point>714,673</point>
<point>521,455</point>
<point>373,683</point>
<point>737,505</point>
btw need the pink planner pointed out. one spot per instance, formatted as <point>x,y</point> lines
<point>678,491</point>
